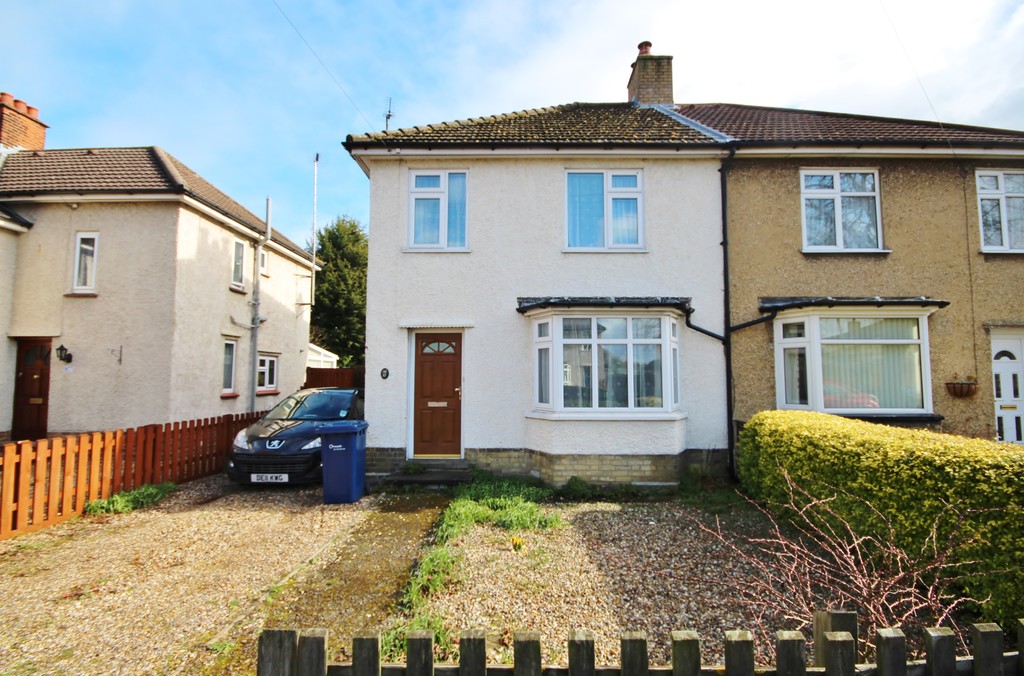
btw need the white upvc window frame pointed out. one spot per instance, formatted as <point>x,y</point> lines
<point>238,248</point>
<point>610,194</point>
<point>811,342</point>
<point>229,380</point>
<point>441,193</point>
<point>267,370</point>
<point>83,278</point>
<point>1000,194</point>
<point>836,194</point>
<point>264,262</point>
<point>553,341</point>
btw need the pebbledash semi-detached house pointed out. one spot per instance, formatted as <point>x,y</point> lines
<point>607,290</point>
<point>126,289</point>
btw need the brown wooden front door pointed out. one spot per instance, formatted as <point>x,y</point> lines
<point>437,414</point>
<point>31,389</point>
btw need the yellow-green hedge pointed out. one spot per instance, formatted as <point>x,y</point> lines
<point>910,476</point>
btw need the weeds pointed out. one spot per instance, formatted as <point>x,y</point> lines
<point>129,501</point>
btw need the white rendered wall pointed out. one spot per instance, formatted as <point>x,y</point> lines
<point>516,231</point>
<point>8,347</point>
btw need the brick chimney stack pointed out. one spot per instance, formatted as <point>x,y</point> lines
<point>19,125</point>
<point>651,80</point>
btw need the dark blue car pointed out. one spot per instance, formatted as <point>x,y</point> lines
<point>283,447</point>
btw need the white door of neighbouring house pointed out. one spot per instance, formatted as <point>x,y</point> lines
<point>1008,379</point>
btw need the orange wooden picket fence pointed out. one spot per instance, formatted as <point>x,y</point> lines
<point>47,481</point>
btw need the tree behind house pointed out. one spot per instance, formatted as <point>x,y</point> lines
<point>338,321</point>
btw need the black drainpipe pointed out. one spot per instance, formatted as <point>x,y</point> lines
<point>727,341</point>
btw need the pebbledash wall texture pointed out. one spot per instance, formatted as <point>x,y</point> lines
<point>932,248</point>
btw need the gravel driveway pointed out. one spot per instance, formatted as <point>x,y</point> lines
<point>146,592</point>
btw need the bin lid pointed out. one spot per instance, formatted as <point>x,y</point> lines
<point>343,426</point>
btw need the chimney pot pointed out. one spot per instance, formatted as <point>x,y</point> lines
<point>7,98</point>
<point>645,47</point>
<point>33,112</point>
<point>20,106</point>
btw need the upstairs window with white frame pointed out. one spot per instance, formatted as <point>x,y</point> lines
<point>1001,208</point>
<point>858,362</point>
<point>604,210</point>
<point>86,248</point>
<point>606,364</point>
<point>238,265</point>
<point>437,210</point>
<point>840,210</point>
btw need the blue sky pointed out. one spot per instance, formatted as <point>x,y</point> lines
<point>230,88</point>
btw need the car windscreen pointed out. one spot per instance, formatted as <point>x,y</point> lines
<point>321,405</point>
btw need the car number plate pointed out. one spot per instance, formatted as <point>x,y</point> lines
<point>268,478</point>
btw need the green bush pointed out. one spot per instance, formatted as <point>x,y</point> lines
<point>913,478</point>
<point>129,501</point>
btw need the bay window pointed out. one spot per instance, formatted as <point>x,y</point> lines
<point>606,363</point>
<point>853,361</point>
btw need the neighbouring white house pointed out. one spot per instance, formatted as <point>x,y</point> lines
<point>128,290</point>
<point>545,290</point>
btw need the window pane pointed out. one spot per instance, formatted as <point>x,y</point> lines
<point>647,376</point>
<point>820,215</point>
<point>793,330</point>
<point>456,210</point>
<point>1015,221</point>
<point>543,330</point>
<point>576,376</point>
<point>228,381</point>
<point>544,375</point>
<point>856,328</point>
<point>624,181</point>
<point>427,225</point>
<point>991,223</point>
<point>611,329</point>
<point>84,276</point>
<point>795,365</point>
<point>586,210</point>
<point>818,182</point>
<point>613,383</point>
<point>576,329</point>
<point>432,181</point>
<point>237,270</point>
<point>860,225</point>
<point>988,183</point>
<point>625,221</point>
<point>856,182</point>
<point>872,376</point>
<point>647,329</point>
<point>1014,183</point>
<point>675,375</point>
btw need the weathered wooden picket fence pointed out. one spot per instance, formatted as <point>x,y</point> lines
<point>288,652</point>
<point>47,481</point>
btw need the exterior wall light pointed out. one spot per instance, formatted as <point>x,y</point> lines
<point>64,355</point>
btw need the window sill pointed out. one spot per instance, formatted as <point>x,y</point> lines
<point>81,294</point>
<point>568,250</point>
<point>1002,252</point>
<point>435,250</point>
<point>896,418</point>
<point>846,252</point>
<point>229,395</point>
<point>267,393</point>
<point>617,416</point>
<point>237,289</point>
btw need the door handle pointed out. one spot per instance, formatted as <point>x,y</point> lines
<point>458,390</point>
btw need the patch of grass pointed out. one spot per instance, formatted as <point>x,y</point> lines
<point>129,501</point>
<point>221,647</point>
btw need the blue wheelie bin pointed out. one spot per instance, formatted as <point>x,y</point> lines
<point>343,454</point>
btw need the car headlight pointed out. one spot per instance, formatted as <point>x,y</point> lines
<point>241,443</point>
<point>315,443</point>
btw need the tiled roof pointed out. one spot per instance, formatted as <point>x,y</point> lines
<point>609,125</point>
<point>786,126</point>
<point>134,171</point>
<point>570,125</point>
